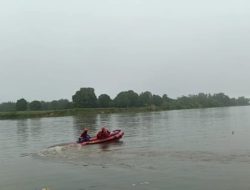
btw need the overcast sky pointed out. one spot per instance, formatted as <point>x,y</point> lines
<point>51,48</point>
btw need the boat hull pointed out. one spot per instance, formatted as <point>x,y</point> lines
<point>114,135</point>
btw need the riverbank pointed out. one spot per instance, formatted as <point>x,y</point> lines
<point>69,112</point>
<point>82,111</point>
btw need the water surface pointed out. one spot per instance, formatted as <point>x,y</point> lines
<point>186,149</point>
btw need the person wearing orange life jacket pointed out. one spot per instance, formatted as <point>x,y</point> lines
<point>103,133</point>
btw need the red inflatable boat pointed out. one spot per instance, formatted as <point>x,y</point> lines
<point>114,135</point>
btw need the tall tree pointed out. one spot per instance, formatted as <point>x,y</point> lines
<point>145,98</point>
<point>242,101</point>
<point>85,98</point>
<point>104,101</point>
<point>21,105</point>
<point>156,100</point>
<point>35,105</point>
<point>221,99</point>
<point>127,99</point>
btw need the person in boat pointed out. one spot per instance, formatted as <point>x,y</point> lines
<point>103,133</point>
<point>84,136</point>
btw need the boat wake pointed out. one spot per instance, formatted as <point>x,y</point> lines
<point>99,154</point>
<point>118,154</point>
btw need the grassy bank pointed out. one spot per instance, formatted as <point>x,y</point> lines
<point>69,112</point>
<point>81,111</point>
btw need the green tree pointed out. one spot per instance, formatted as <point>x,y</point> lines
<point>221,99</point>
<point>242,101</point>
<point>21,105</point>
<point>85,98</point>
<point>104,101</point>
<point>145,98</point>
<point>44,105</point>
<point>63,104</point>
<point>59,104</point>
<point>35,105</point>
<point>127,99</point>
<point>7,106</point>
<point>166,101</point>
<point>156,100</point>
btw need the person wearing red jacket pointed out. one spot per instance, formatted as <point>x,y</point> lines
<point>103,133</point>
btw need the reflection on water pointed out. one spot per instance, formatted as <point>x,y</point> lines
<point>104,120</point>
<point>35,127</point>
<point>22,130</point>
<point>81,122</point>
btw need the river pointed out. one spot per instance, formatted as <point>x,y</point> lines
<point>184,149</point>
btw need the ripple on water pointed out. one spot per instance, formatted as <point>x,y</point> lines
<point>114,155</point>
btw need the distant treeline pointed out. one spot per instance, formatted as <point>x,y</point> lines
<point>86,98</point>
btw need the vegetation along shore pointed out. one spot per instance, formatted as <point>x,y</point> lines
<point>85,101</point>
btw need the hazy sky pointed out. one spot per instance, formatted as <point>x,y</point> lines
<point>51,48</point>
